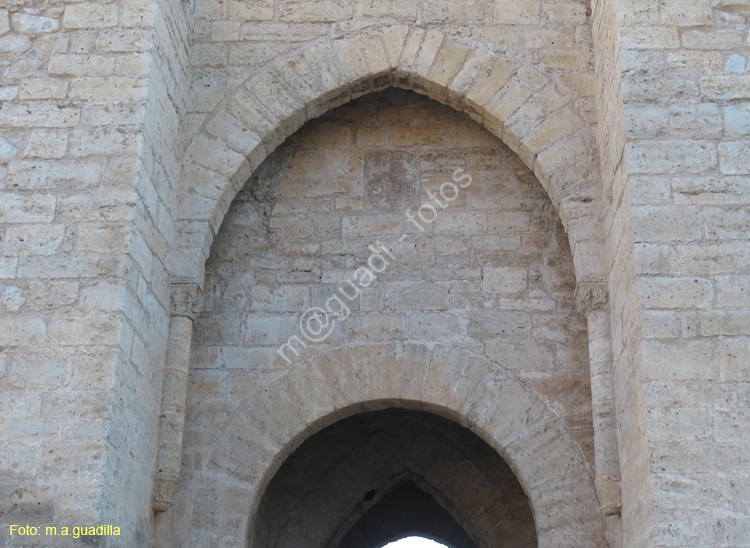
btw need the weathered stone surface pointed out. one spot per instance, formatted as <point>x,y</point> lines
<point>128,128</point>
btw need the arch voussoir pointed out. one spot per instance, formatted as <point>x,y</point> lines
<point>236,136</point>
<point>244,454</point>
<point>482,97</point>
<point>451,378</point>
<point>466,76</point>
<point>555,127</point>
<point>411,369</point>
<point>377,61</point>
<point>215,155</point>
<point>245,107</point>
<point>409,52</point>
<point>339,372</point>
<point>200,201</point>
<point>283,94</point>
<point>321,68</point>
<point>375,380</point>
<point>418,68</point>
<point>564,168</point>
<point>393,39</point>
<point>353,62</point>
<point>525,131</point>
<point>448,62</point>
<point>505,412</point>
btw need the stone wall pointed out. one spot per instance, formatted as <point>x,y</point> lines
<point>685,92</point>
<point>88,192</point>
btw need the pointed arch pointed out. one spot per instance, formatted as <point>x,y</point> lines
<point>522,106</point>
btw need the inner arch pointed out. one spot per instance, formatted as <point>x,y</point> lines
<point>378,477</point>
<point>525,108</point>
<point>405,511</point>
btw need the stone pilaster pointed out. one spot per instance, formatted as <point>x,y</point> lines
<point>592,299</point>
<point>185,303</point>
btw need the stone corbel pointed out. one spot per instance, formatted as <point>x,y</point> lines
<point>186,302</point>
<point>591,296</point>
<point>610,498</point>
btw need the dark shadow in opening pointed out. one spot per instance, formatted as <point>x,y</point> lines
<point>406,511</point>
<point>379,476</point>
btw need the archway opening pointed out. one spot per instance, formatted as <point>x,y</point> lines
<point>384,476</point>
<point>414,542</point>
